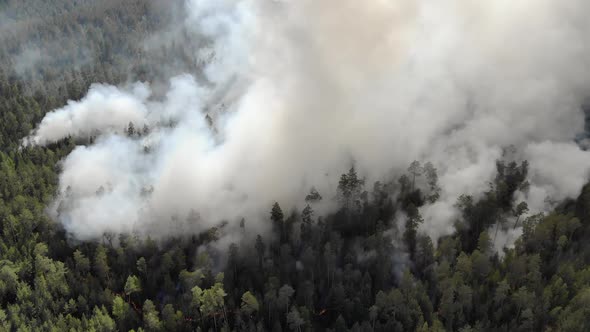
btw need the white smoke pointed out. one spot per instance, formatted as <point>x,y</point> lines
<point>298,89</point>
<point>104,109</point>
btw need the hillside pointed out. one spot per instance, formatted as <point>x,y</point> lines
<point>365,254</point>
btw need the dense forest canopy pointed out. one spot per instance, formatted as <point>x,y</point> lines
<point>461,227</point>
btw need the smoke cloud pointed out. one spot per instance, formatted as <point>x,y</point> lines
<point>298,90</point>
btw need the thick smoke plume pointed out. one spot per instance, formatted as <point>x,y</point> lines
<point>299,90</point>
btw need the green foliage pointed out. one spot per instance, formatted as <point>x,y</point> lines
<point>349,189</point>
<point>101,321</point>
<point>120,308</point>
<point>211,300</point>
<point>411,232</point>
<point>276,214</point>
<point>249,303</point>
<point>294,320</point>
<point>151,321</point>
<point>132,285</point>
<point>340,271</point>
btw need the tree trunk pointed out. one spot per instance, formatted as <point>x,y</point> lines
<point>516,222</point>
<point>496,234</point>
<point>224,314</point>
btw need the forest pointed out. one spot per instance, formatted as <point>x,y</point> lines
<point>358,268</point>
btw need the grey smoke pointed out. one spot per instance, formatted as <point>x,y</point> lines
<point>298,89</point>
